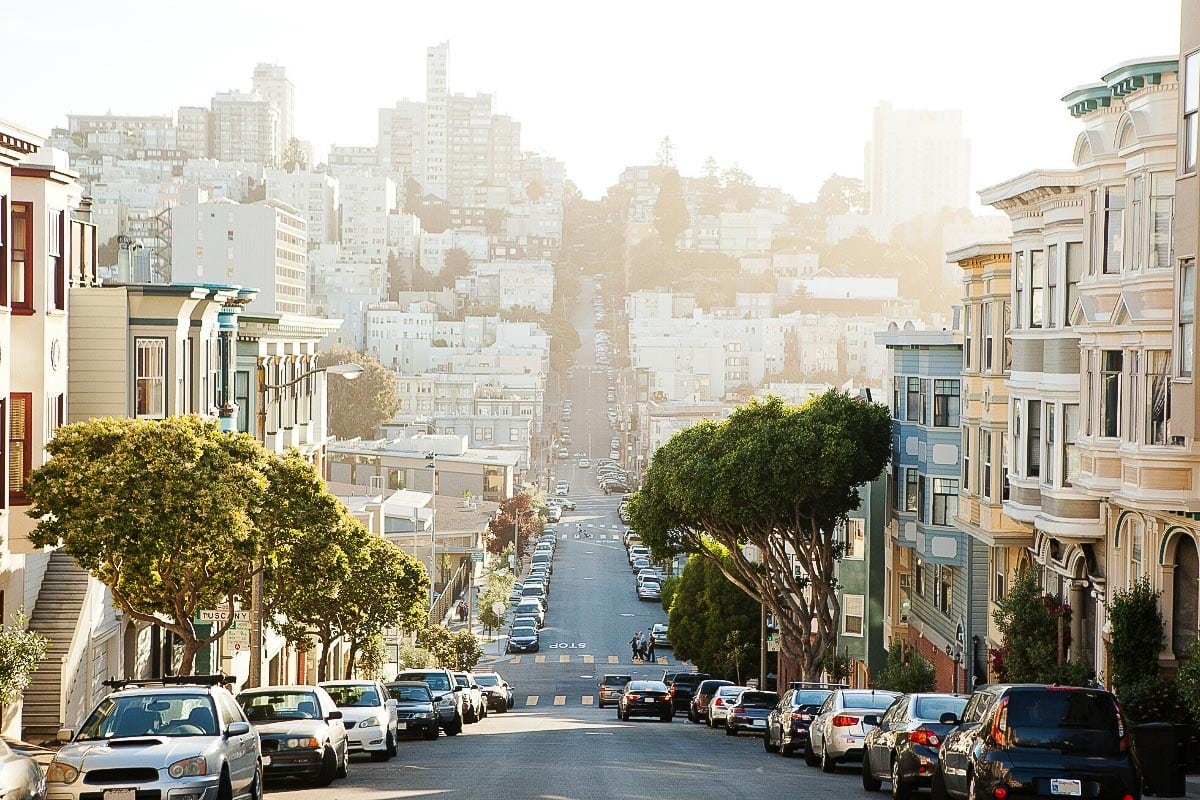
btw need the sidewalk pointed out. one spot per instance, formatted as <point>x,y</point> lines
<point>493,648</point>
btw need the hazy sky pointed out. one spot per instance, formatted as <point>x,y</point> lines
<point>783,89</point>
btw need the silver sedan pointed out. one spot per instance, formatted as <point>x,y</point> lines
<point>838,731</point>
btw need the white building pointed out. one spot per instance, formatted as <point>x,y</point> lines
<point>366,203</point>
<point>270,82</point>
<point>435,178</point>
<point>245,127</point>
<point>314,195</point>
<point>509,285</point>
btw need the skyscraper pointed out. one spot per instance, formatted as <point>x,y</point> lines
<point>271,84</point>
<point>437,97</point>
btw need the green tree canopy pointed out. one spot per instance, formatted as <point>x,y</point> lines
<point>906,671</point>
<point>706,607</point>
<point>769,484</point>
<point>385,588</point>
<point>21,650</point>
<point>841,195</point>
<point>167,513</point>
<point>1035,629</point>
<point>520,513</point>
<point>357,407</point>
<point>671,216</point>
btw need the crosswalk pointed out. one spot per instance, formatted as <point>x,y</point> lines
<point>535,701</point>
<point>542,658</point>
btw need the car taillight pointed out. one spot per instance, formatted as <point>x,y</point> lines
<point>1122,736</point>
<point>1000,793</point>
<point>843,721</point>
<point>718,702</point>
<point>633,697</point>
<point>799,717</point>
<point>999,731</point>
<point>924,737</point>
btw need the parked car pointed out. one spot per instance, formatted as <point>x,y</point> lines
<point>553,513</point>
<point>788,722</point>
<point>638,551</point>
<point>683,684</point>
<point>416,710</point>
<point>533,608</point>
<point>749,712</point>
<point>661,634</point>
<point>718,706</point>
<point>1028,740</point>
<point>698,707</point>
<point>496,691</point>
<point>523,640</point>
<point>474,703</point>
<point>160,738</point>
<point>301,732</point>
<point>903,745</point>
<point>645,699</point>
<point>369,713</point>
<point>544,558</point>
<point>21,777</point>
<point>611,687</point>
<point>836,734</point>
<point>649,590</point>
<point>446,695</point>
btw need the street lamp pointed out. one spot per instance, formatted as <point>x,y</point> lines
<point>432,529</point>
<point>347,371</point>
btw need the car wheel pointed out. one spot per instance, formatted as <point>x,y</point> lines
<point>870,782</point>
<point>786,750</point>
<point>224,788</point>
<point>828,764</point>
<point>667,717</point>
<point>391,744</point>
<point>431,734</point>
<point>328,768</point>
<point>256,788</point>
<point>344,765</point>
<point>810,757</point>
<point>455,727</point>
<point>901,790</point>
<point>692,716</point>
<point>730,730</point>
<point>937,785</point>
<point>767,741</point>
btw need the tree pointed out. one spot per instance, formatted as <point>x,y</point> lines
<point>357,407</point>
<point>535,188</point>
<point>705,610</point>
<point>1136,635</point>
<point>458,650</point>
<point>841,195</point>
<point>166,513</point>
<point>769,484</point>
<point>386,588</point>
<point>294,156</point>
<point>906,671</point>
<point>106,253</point>
<point>412,195</point>
<point>521,513</point>
<point>21,651</point>
<point>671,216</point>
<point>457,265</point>
<point>666,153</point>
<point>1035,630</point>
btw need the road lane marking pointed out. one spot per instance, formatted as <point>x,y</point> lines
<point>564,659</point>
<point>539,659</point>
<point>614,660</point>
<point>531,700</point>
<point>515,660</point>
<point>560,699</point>
<point>588,699</point>
<point>662,660</point>
<point>589,659</point>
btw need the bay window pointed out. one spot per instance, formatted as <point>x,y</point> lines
<point>912,479</point>
<point>1019,286</point>
<point>1074,273</point>
<point>1158,396</point>
<point>150,378</point>
<point>1191,105</point>
<point>1070,454</point>
<point>912,411</point>
<point>1051,443</point>
<point>1114,229</point>
<point>985,457</point>
<point>988,337</point>
<point>946,403</point>
<point>1111,365</point>
<point>1037,287</point>
<point>1052,286</point>
<point>1033,442</point>
<point>21,266</point>
<point>945,501</point>
<point>1187,316</point>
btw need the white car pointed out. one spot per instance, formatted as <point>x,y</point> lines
<point>562,489</point>
<point>722,699</point>
<point>661,634</point>
<point>584,463</point>
<point>369,714</point>
<point>837,732</point>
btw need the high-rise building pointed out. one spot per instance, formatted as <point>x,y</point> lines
<point>402,140</point>
<point>245,127</point>
<point>917,163</point>
<point>271,84</point>
<point>437,100</point>
<point>192,131</point>
<point>314,195</point>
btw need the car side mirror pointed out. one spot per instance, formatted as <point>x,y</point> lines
<point>65,734</point>
<point>238,728</point>
<point>334,715</point>
<point>949,718</point>
<point>872,720</point>
<point>458,689</point>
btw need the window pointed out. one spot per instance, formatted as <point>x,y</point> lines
<point>1135,380</point>
<point>1048,472</point>
<point>1088,389</point>
<point>1070,455</point>
<point>852,614</point>
<point>56,413</point>
<point>855,530</point>
<point>1019,286</point>
<point>20,286</point>
<point>1033,442</point>
<point>1052,286</point>
<point>1110,392</point>
<point>241,396</point>
<point>20,446</point>
<point>923,404</point>
<point>1114,229</point>
<point>897,487</point>
<point>1162,208</point>
<point>3,443</point>
<point>985,457</point>
<point>919,575</point>
<point>988,337</point>
<point>1135,223</point>
<point>1158,396</point>
<point>913,401</point>
<point>1191,105</point>
<point>966,460</point>
<point>921,513</point>
<point>944,589</point>
<point>150,378</point>
<point>1074,271</point>
<point>1137,536</point>
<point>912,479</point>
<point>1093,229</point>
<point>514,435</point>
<point>896,384</point>
<point>1000,567</point>
<point>1187,316</point>
<point>945,501</point>
<point>946,403</point>
<point>968,342</point>
<point>1005,468</point>
<point>1015,431</point>
<point>1037,287</point>
<point>3,251</point>
<point>56,267</point>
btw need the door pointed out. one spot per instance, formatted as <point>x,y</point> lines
<point>241,751</point>
<point>1186,593</point>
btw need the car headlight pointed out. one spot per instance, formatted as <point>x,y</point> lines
<point>301,742</point>
<point>425,715</point>
<point>58,772</point>
<point>189,767</point>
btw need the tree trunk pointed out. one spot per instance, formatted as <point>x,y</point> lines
<point>323,663</point>
<point>187,661</point>
<point>350,662</point>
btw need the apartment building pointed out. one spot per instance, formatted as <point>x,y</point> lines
<point>366,204</point>
<point>435,177</point>
<point>932,565</point>
<point>243,126</point>
<point>353,160</point>
<point>404,462</point>
<point>271,83</point>
<point>314,195</point>
<point>192,132</point>
<point>1097,461</point>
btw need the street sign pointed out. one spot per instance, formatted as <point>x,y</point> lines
<point>222,615</point>
<point>772,643</point>
<point>477,556</point>
<point>237,638</point>
<point>498,608</point>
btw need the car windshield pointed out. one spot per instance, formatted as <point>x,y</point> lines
<point>758,700</point>
<point>524,633</point>
<point>265,706</point>
<point>151,715</point>
<point>487,680</point>
<point>352,695</point>
<point>933,707</point>
<point>436,681</point>
<point>410,694</point>
<point>810,697</point>
<point>873,700</point>
<point>1071,720</point>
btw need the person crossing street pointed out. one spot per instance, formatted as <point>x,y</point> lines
<point>650,642</point>
<point>635,645</point>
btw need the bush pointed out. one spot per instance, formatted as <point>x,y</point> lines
<point>412,657</point>
<point>1152,698</point>
<point>906,671</point>
<point>1187,679</point>
<point>1031,623</point>
<point>1137,634</point>
<point>20,652</point>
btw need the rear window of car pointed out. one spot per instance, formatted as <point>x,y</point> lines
<point>708,687</point>
<point>688,680</point>
<point>1072,720</point>
<point>647,686</point>
<point>436,681</point>
<point>871,700</point>
<point>616,680</point>
<point>810,697</point>
<point>487,680</point>
<point>410,694</point>
<point>933,707</point>
<point>758,700</point>
<point>525,633</point>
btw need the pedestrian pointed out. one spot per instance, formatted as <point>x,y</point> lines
<point>633,645</point>
<point>462,611</point>
<point>650,647</point>
<point>642,645</point>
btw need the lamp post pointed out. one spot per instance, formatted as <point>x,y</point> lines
<point>432,529</point>
<point>347,371</point>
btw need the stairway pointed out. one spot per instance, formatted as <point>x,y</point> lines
<point>55,616</point>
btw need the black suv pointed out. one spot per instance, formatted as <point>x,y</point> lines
<point>683,686</point>
<point>788,722</point>
<point>1029,740</point>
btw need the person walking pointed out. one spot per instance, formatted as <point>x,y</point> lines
<point>634,645</point>
<point>650,642</point>
<point>642,645</point>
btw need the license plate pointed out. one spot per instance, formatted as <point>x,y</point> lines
<point>265,759</point>
<point>1064,786</point>
<point>402,726</point>
<point>649,700</point>
<point>759,723</point>
<point>120,794</point>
